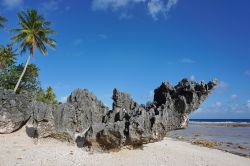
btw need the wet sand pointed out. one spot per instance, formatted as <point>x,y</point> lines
<point>231,139</point>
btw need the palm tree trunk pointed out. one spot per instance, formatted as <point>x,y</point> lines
<point>24,70</point>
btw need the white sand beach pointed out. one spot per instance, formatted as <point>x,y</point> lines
<point>19,149</point>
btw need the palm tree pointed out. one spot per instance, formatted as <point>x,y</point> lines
<point>7,56</point>
<point>33,33</point>
<point>2,20</point>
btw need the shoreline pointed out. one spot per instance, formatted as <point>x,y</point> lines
<point>212,145</point>
<point>216,135</point>
<point>227,124</point>
<point>19,149</point>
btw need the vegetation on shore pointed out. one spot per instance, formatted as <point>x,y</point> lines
<point>47,96</point>
<point>32,34</point>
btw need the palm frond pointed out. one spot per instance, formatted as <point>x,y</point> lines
<point>33,32</point>
<point>2,21</point>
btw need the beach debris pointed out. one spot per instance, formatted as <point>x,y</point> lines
<point>206,143</point>
<point>242,147</point>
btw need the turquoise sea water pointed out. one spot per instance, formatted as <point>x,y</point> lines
<point>233,139</point>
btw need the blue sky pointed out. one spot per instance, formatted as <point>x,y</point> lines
<point>134,45</point>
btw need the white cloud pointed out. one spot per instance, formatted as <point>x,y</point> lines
<point>231,107</point>
<point>64,99</point>
<point>54,5</point>
<point>148,96</point>
<point>192,78</point>
<point>125,16</point>
<point>78,54</point>
<point>102,36</point>
<point>233,97</point>
<point>51,5</point>
<point>154,7</point>
<point>151,93</point>
<point>187,60</point>
<point>10,4</point>
<point>240,108</point>
<point>248,104</point>
<point>247,72</point>
<point>67,8</point>
<point>77,42</point>
<point>222,85</point>
<point>157,7</point>
<point>112,4</point>
<point>59,86</point>
<point>217,104</point>
<point>171,4</point>
<point>199,110</point>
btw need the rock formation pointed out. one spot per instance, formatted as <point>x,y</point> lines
<point>15,110</point>
<point>85,120</point>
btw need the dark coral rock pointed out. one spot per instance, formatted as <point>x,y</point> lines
<point>88,122</point>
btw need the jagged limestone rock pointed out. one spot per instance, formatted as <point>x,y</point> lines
<point>15,110</point>
<point>88,122</point>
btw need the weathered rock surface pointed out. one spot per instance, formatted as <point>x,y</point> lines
<point>15,110</point>
<point>87,122</point>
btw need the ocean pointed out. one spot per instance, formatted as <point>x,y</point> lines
<point>231,135</point>
<point>222,120</point>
